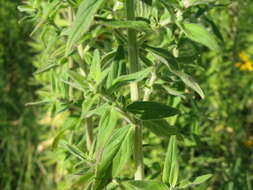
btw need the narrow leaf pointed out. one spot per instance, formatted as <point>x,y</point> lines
<point>125,79</point>
<point>147,110</point>
<point>201,179</point>
<point>145,185</point>
<point>124,153</point>
<point>170,159</point>
<point>160,128</point>
<point>199,34</point>
<point>189,81</point>
<point>84,17</point>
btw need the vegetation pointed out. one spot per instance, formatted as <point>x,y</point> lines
<point>149,94</point>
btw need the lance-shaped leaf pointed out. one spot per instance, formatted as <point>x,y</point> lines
<point>170,170</point>
<point>46,68</point>
<point>84,17</point>
<point>199,34</point>
<point>141,26</point>
<point>125,79</point>
<point>189,81</point>
<point>49,9</point>
<point>116,66</point>
<point>104,168</point>
<point>201,179</point>
<point>160,127</point>
<point>124,153</point>
<point>106,126</point>
<point>147,110</point>
<point>198,180</point>
<point>78,79</point>
<point>144,185</point>
<point>95,69</point>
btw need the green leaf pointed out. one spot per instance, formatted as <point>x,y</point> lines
<point>141,26</point>
<point>174,172</point>
<point>145,185</point>
<point>75,151</point>
<point>84,17</point>
<point>95,69</point>
<point>107,124</point>
<point>189,81</point>
<point>199,2</point>
<point>79,79</point>
<point>125,79</point>
<point>199,34</point>
<point>147,110</point>
<point>46,68</point>
<point>124,153</point>
<point>160,128</point>
<point>198,180</point>
<point>103,170</point>
<point>49,9</point>
<point>173,92</point>
<point>170,160</point>
<point>116,69</point>
<point>201,179</point>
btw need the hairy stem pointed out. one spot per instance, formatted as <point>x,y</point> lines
<point>134,67</point>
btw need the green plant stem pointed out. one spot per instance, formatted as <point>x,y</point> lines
<point>134,67</point>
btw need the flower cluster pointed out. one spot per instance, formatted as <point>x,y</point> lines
<point>246,64</point>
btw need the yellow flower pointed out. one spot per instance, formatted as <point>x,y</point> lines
<point>238,64</point>
<point>243,67</point>
<point>243,56</point>
<point>249,142</point>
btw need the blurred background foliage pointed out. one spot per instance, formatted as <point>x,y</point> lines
<point>217,131</point>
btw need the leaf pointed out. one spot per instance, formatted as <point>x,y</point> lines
<point>199,2</point>
<point>170,161</point>
<point>199,34</point>
<point>160,128</point>
<point>107,124</point>
<point>75,151</point>
<point>189,81</point>
<point>46,68</point>
<point>141,26</point>
<point>79,79</point>
<point>103,171</point>
<point>125,79</point>
<point>145,185</point>
<point>174,172</point>
<point>116,69</point>
<point>49,9</point>
<point>86,106</point>
<point>124,153</point>
<point>95,69</point>
<point>148,110</point>
<point>84,17</point>
<point>201,179</point>
<point>173,92</point>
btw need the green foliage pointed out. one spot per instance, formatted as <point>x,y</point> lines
<point>123,71</point>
